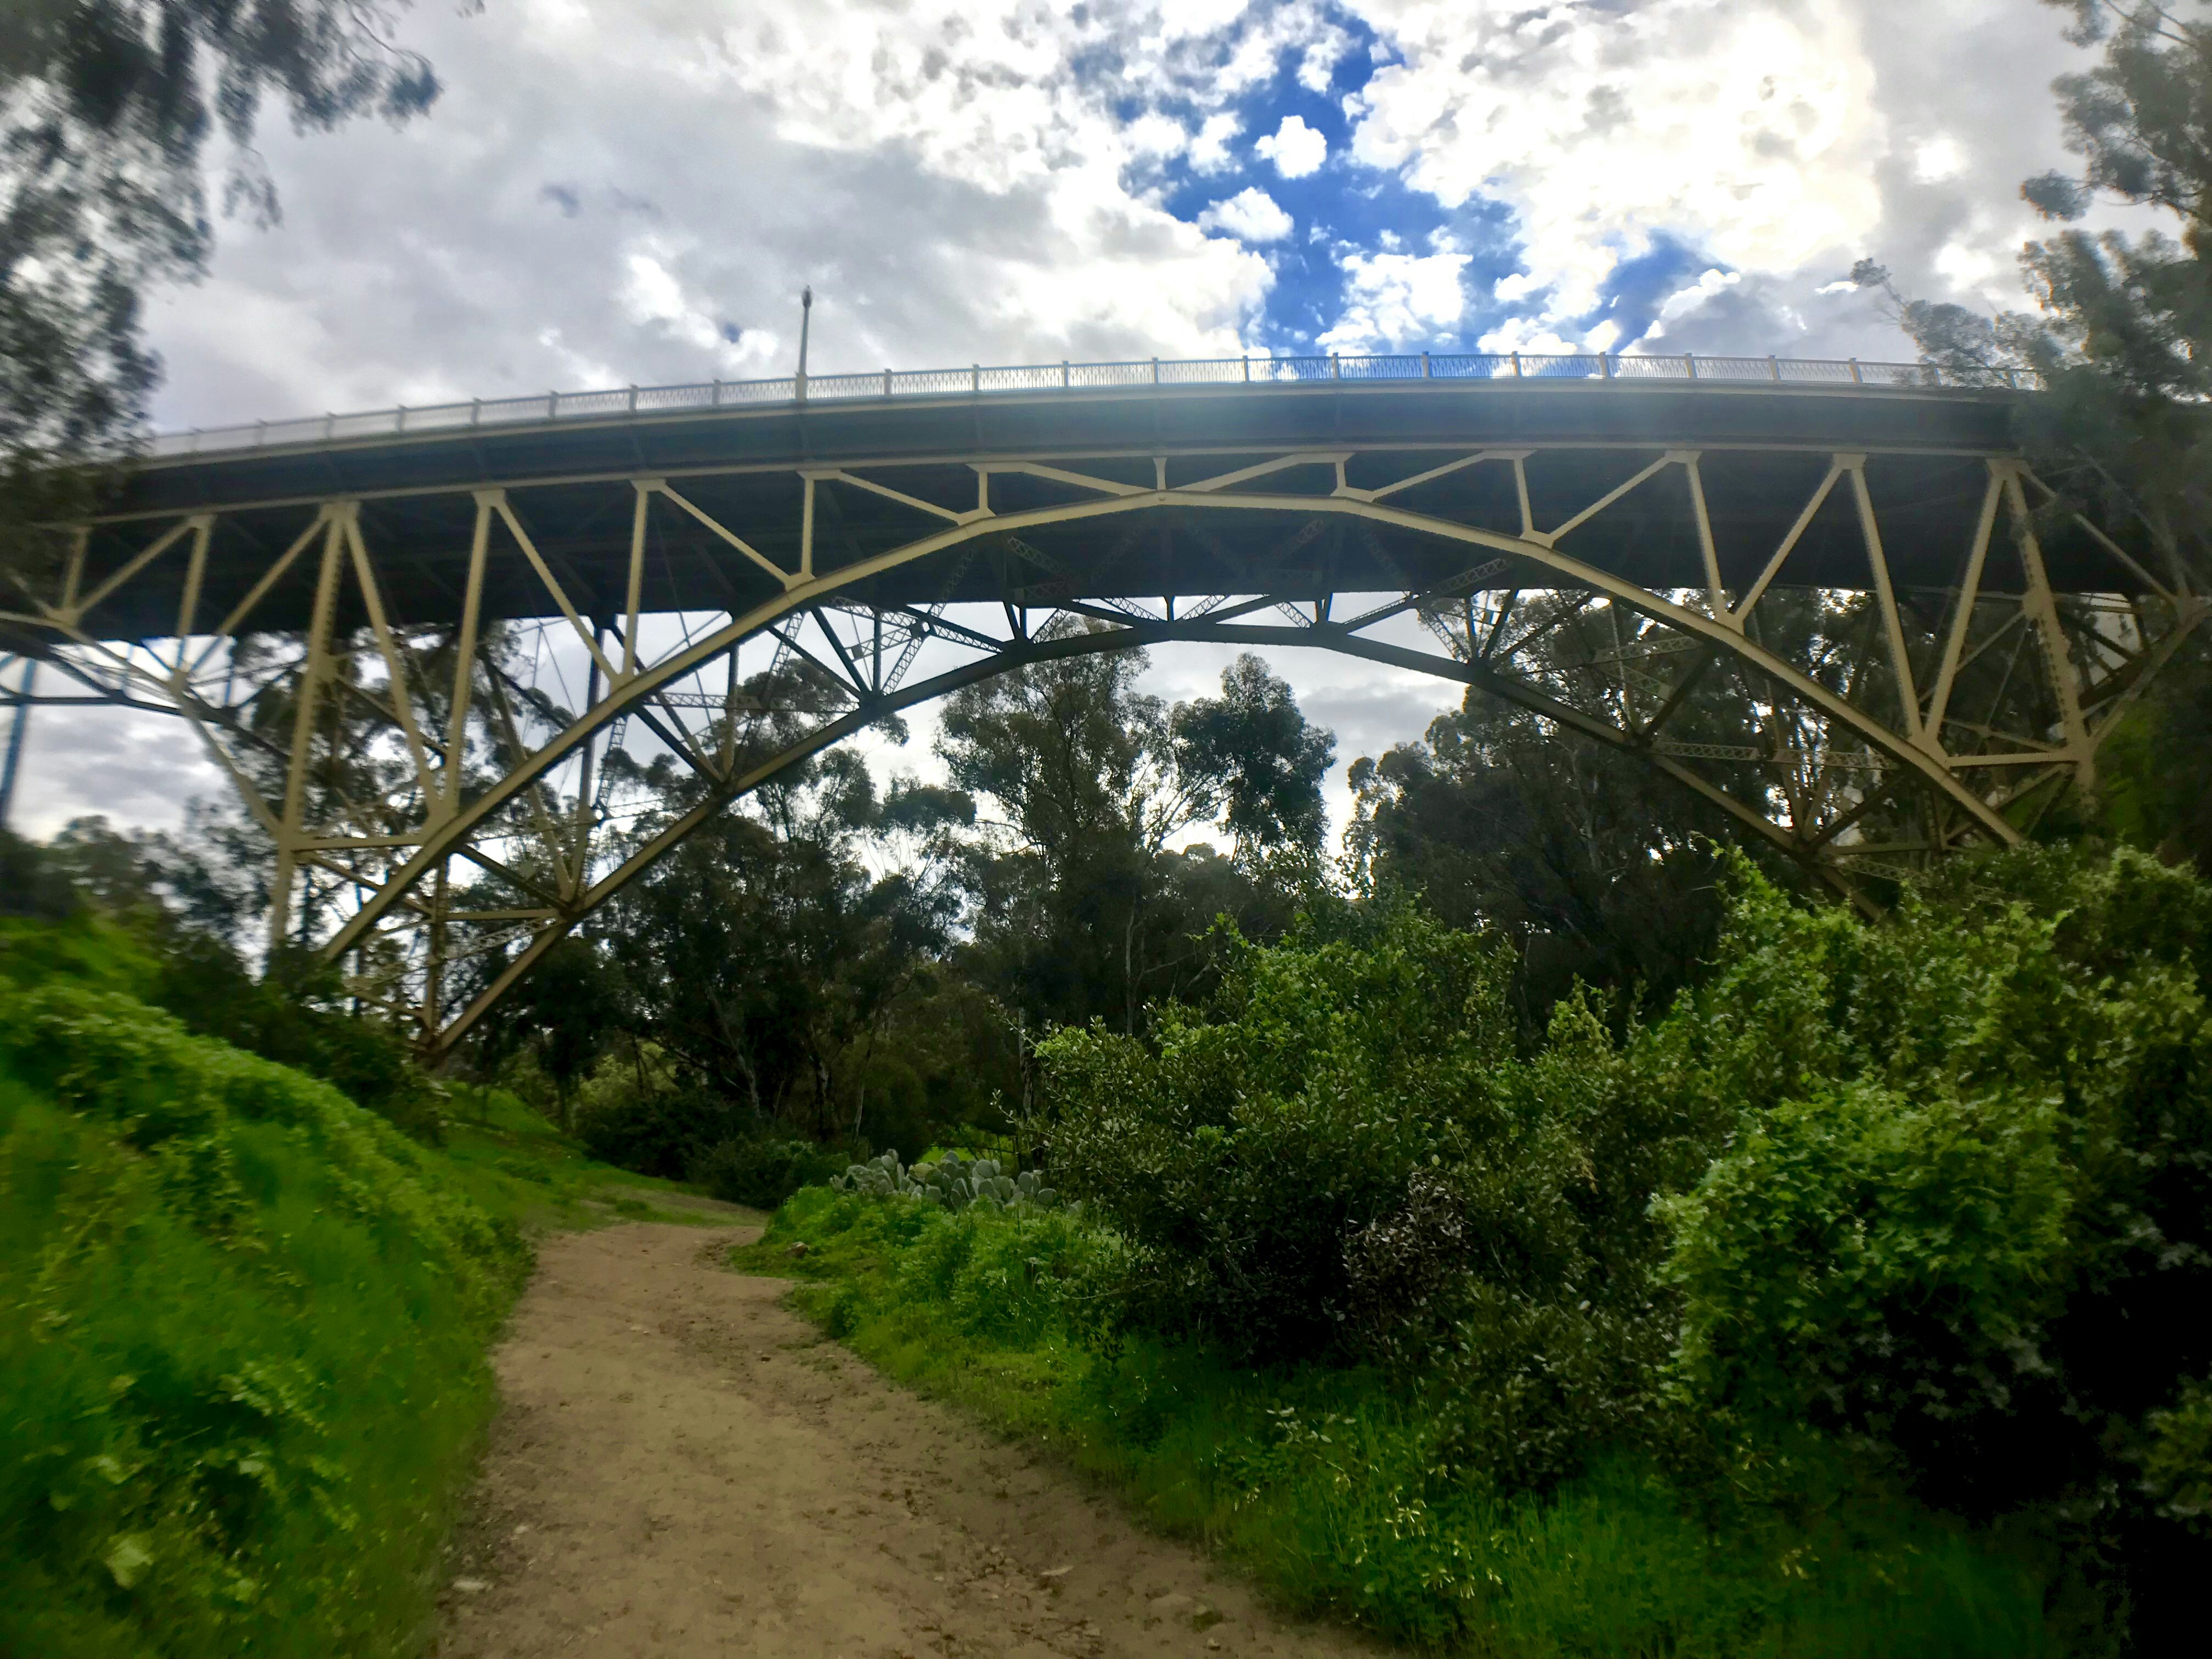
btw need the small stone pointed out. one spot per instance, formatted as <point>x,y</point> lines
<point>1056,1572</point>
<point>796,1249</point>
<point>1213,1641</point>
<point>470,1586</point>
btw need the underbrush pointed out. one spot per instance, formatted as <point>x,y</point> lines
<point>520,1168</point>
<point>243,1324</point>
<point>1331,1485</point>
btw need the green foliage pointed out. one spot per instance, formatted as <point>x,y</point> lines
<point>1968,1216</point>
<point>951,1181</point>
<point>1599,869</point>
<point>1346,1154</point>
<point>663,1128</point>
<point>1266,763</point>
<point>763,1172</point>
<point>1335,1491</point>
<point>242,1325</point>
<point>294,1015</point>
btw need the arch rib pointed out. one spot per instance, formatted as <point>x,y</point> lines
<point>440,839</point>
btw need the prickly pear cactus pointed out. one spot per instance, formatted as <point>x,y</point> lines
<point>952,1182</point>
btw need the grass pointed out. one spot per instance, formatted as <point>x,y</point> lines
<point>1328,1488</point>
<point>243,1326</point>
<point>520,1167</point>
<point>242,1333</point>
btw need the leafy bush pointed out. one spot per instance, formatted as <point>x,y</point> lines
<point>1345,1154</point>
<point>666,1131</point>
<point>291,1016</point>
<point>763,1173</point>
<point>242,1325</point>
<point>1341,1495</point>
<point>287,1016</point>
<point>1968,1214</point>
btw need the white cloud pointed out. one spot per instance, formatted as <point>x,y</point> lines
<point>1684,301</point>
<point>1747,125</point>
<point>1209,150</point>
<point>1250,215</point>
<point>1967,266</point>
<point>1397,299</point>
<point>1296,149</point>
<point>1938,159</point>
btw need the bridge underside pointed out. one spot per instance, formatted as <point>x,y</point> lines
<point>419,682</point>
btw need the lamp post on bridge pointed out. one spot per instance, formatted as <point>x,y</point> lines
<point>806,316</point>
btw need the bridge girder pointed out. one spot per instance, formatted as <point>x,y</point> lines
<point>1811,688</point>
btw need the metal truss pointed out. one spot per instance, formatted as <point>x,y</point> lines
<point>448,792</point>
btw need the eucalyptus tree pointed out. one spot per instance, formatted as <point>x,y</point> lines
<point>1079,906</point>
<point>106,110</point>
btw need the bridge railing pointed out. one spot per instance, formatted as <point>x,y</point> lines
<point>980,380</point>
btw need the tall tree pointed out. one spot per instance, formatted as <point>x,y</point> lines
<point>1081,911</point>
<point>1597,868</point>
<point>1269,762</point>
<point>2121,336</point>
<point>106,107</point>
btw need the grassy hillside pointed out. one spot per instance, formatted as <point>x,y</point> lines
<point>243,1324</point>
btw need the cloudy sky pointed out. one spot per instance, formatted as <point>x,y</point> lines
<point>612,191</point>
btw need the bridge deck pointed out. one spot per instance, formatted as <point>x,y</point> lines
<point>1765,449</point>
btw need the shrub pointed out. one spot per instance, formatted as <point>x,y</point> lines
<point>1968,1213</point>
<point>952,1181</point>
<point>242,1326</point>
<point>665,1132</point>
<point>763,1172</point>
<point>1345,1155</point>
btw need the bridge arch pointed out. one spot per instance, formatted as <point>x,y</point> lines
<point>1823,611</point>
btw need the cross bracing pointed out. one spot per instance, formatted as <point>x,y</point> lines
<point>436,666</point>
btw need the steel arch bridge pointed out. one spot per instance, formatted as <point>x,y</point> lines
<point>1832,600</point>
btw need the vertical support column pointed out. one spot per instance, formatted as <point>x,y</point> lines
<point>2042,608</point>
<point>303,728</point>
<point>593,687</point>
<point>1715,597</point>
<point>18,729</point>
<point>806,532</point>
<point>188,608</point>
<point>464,661</point>
<point>637,578</point>
<point>1970,590</point>
<point>433,972</point>
<point>1900,662</point>
<point>73,571</point>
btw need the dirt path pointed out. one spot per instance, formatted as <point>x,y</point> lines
<point>681,1467</point>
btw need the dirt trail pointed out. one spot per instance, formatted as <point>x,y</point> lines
<point>681,1467</point>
